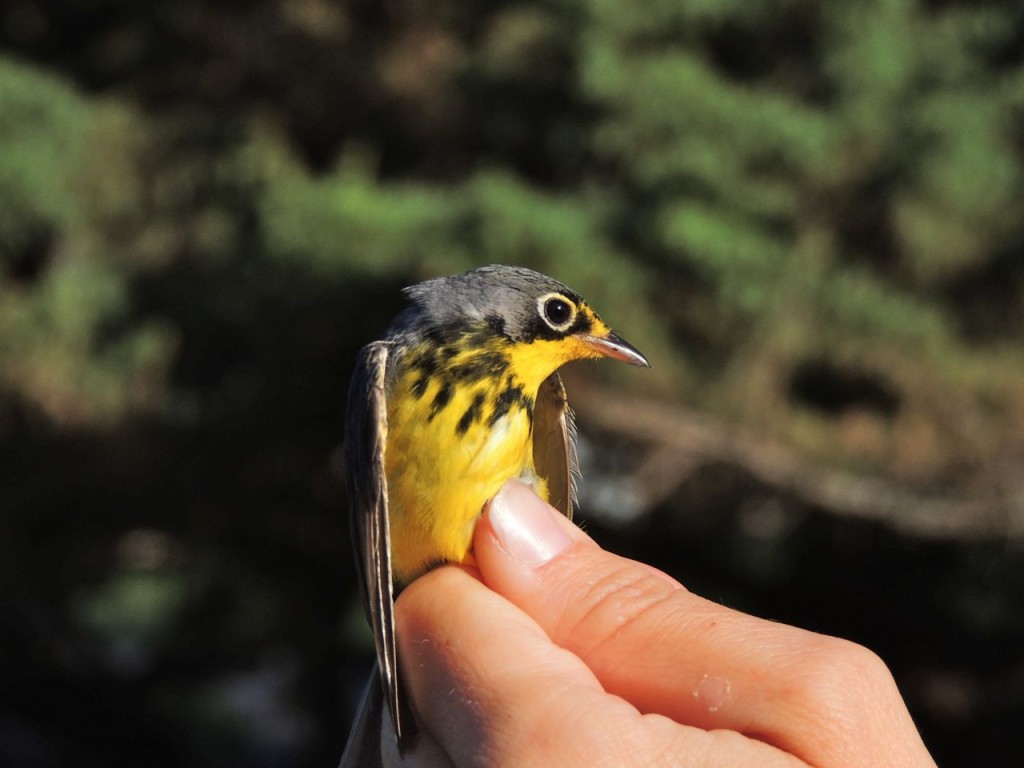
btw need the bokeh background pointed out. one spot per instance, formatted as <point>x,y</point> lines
<point>808,214</point>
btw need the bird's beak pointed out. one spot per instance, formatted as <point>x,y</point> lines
<point>611,345</point>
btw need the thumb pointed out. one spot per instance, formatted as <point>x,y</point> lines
<point>600,606</point>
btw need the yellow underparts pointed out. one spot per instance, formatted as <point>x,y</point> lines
<point>449,453</point>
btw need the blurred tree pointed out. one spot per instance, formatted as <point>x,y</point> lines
<point>66,168</point>
<point>807,214</point>
<point>829,174</point>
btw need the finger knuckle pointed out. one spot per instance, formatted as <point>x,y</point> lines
<point>615,602</point>
<point>834,679</point>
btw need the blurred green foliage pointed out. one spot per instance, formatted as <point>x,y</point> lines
<point>205,209</point>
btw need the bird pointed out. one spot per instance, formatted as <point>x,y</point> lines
<point>460,395</point>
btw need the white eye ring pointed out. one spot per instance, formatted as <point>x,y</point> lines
<point>558,311</point>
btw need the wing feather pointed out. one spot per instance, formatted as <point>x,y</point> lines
<point>554,444</point>
<point>365,444</point>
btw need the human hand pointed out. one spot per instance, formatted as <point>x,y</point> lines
<point>555,653</point>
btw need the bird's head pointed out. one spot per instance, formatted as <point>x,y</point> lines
<point>541,322</point>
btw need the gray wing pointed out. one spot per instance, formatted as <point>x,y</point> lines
<point>366,436</point>
<point>554,444</point>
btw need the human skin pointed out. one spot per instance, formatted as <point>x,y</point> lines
<point>553,652</point>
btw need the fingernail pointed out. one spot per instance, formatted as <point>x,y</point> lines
<point>525,525</point>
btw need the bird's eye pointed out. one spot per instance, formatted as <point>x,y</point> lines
<point>557,311</point>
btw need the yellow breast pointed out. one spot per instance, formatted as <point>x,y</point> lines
<point>456,434</point>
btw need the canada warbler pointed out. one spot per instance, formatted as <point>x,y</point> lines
<point>461,395</point>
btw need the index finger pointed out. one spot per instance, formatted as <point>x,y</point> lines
<point>492,689</point>
<point>667,651</point>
